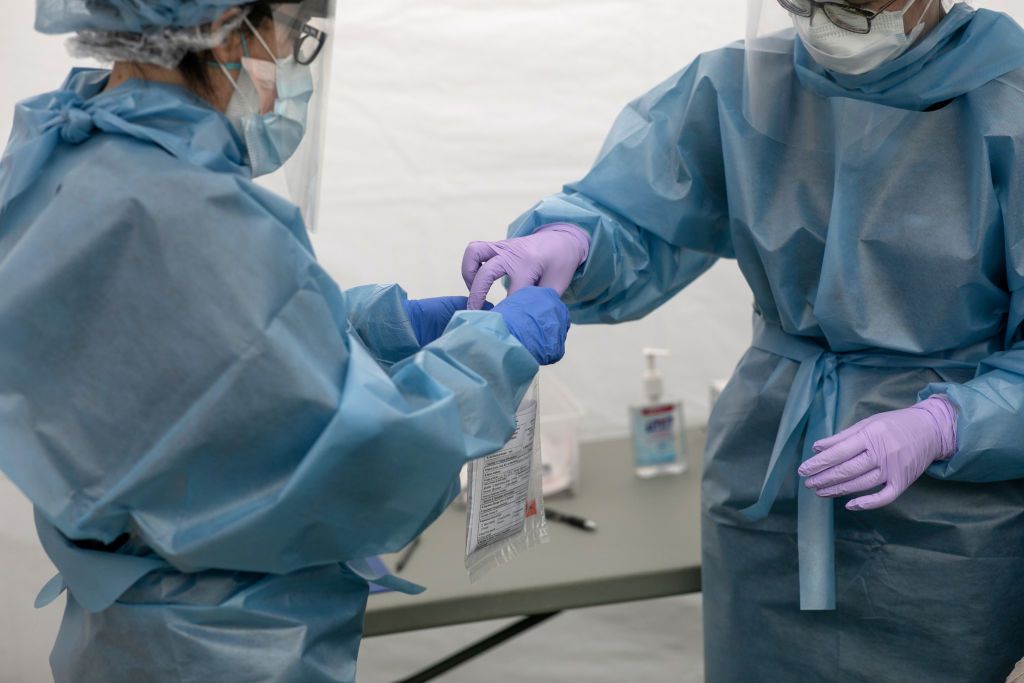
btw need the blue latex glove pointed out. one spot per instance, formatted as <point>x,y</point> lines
<point>537,317</point>
<point>890,450</point>
<point>430,317</point>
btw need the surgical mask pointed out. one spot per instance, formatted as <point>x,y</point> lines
<point>846,52</point>
<point>283,87</point>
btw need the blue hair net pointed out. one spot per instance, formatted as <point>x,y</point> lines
<point>132,16</point>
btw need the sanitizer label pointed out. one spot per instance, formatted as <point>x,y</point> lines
<point>659,436</point>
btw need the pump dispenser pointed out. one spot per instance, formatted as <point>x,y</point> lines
<point>657,426</point>
<point>654,383</point>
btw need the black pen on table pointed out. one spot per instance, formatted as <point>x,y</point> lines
<point>403,559</point>
<point>571,520</point>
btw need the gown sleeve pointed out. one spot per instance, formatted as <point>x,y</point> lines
<point>378,316</point>
<point>177,366</point>
<point>654,202</point>
<point>990,407</point>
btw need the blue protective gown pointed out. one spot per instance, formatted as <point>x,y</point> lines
<point>881,273</point>
<point>213,434</point>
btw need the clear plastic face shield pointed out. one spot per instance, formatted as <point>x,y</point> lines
<point>281,93</point>
<point>847,37</point>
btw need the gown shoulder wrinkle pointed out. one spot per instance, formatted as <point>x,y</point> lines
<point>1012,79</point>
<point>191,228</point>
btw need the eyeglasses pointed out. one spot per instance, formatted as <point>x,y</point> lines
<point>307,41</point>
<point>846,17</point>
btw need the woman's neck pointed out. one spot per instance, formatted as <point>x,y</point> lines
<point>126,71</point>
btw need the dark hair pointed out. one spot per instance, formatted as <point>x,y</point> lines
<point>194,66</point>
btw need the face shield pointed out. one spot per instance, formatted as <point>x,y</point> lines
<point>281,93</point>
<point>850,40</point>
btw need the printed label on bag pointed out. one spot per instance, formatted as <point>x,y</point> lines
<point>499,502</point>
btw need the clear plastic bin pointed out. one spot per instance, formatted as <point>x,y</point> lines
<point>560,415</point>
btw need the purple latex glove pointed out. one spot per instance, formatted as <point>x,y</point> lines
<point>547,258</point>
<point>889,449</point>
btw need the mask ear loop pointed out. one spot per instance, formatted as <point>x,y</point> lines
<point>916,32</point>
<point>237,66</point>
<point>906,8</point>
<point>259,37</point>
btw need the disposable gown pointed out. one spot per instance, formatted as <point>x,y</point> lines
<point>213,434</point>
<point>878,278</point>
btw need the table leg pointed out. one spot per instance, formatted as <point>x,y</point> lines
<point>479,648</point>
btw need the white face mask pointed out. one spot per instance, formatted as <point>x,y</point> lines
<point>269,107</point>
<point>846,52</point>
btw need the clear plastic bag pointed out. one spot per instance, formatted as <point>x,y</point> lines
<point>504,496</point>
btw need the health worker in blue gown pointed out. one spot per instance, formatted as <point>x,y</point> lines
<point>863,163</point>
<point>214,435</point>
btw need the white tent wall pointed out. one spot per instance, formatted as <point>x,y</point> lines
<point>450,118</point>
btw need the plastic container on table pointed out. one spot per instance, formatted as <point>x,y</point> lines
<point>560,415</point>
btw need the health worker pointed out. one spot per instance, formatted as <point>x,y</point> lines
<point>215,435</point>
<point>863,163</point>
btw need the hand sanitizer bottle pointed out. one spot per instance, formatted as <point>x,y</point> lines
<point>657,426</point>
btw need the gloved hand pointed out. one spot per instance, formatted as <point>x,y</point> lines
<point>891,449</point>
<point>537,317</point>
<point>547,258</point>
<point>430,317</point>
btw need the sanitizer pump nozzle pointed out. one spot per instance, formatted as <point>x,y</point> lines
<point>654,382</point>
